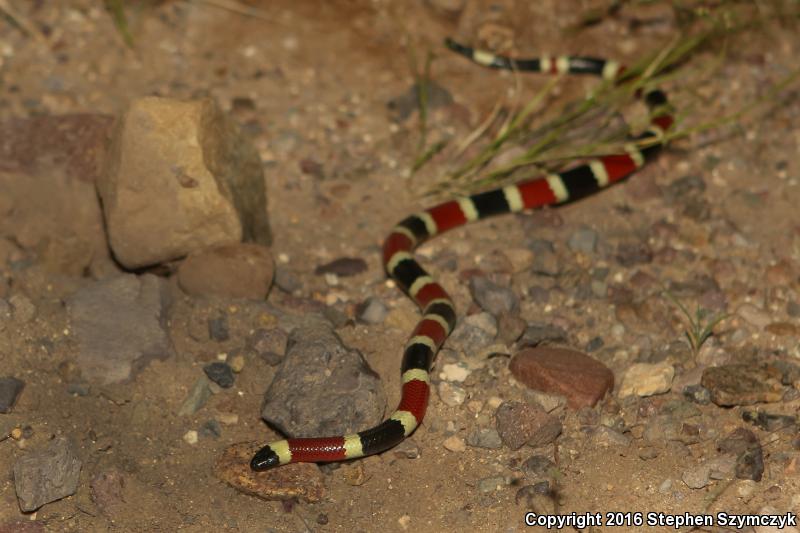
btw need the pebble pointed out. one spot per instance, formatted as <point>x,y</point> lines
<point>303,481</point>
<point>575,375</point>
<point>545,259</point>
<point>218,328</point>
<point>342,267</point>
<point>454,444</point>
<point>741,384</point>
<point>196,399</point>
<point>269,344</point>
<point>450,394</point>
<point>238,270</point>
<point>107,489</point>
<point>237,363</point>
<point>286,281</point>
<point>492,484</point>
<point>608,437</point>
<point>322,386</point>
<point>583,240</point>
<point>632,254</point>
<point>769,421</point>
<point>10,389</point>
<point>220,373</point>
<point>697,394</point>
<point>697,477</point>
<point>473,333</point>
<point>491,297</point>
<point>211,428</point>
<point>191,437</point>
<point>47,475</point>
<point>509,328</point>
<point>119,324</point>
<point>754,315</point>
<point>523,423</point>
<point>454,372</point>
<point>487,438</point>
<point>538,466</point>
<point>540,333</point>
<point>372,311</point>
<point>647,379</point>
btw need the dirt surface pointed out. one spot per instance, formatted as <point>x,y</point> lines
<point>714,219</point>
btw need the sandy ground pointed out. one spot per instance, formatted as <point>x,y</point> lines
<point>319,76</point>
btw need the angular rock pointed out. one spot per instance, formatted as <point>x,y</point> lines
<point>269,344</point>
<point>473,333</point>
<point>239,270</point>
<point>646,379</point>
<point>742,384</point>
<point>10,387</point>
<point>322,387</point>
<point>491,297</point>
<point>298,480</point>
<point>220,373</point>
<point>46,476</point>
<point>180,177</point>
<point>120,324</point>
<point>523,423</point>
<point>575,375</point>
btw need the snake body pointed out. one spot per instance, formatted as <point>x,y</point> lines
<point>438,310</point>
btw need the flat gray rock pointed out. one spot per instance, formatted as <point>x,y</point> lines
<point>323,388</point>
<point>46,476</point>
<point>119,324</point>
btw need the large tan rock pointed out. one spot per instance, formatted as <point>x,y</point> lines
<point>180,177</point>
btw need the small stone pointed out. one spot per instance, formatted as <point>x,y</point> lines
<point>454,372</point>
<point>343,267</point>
<point>286,280</point>
<point>749,455</point>
<point>491,297</point>
<point>492,484</point>
<point>697,394</point>
<point>632,254</point>
<point>407,449</point>
<point>538,467</point>
<point>473,333</point>
<point>46,476</point>
<point>10,388</point>
<point>218,328</point>
<point>191,437</point>
<point>521,423</point>
<point>741,384</point>
<point>645,379</point>
<point>237,270</point>
<point>607,437</point>
<point>648,452</point>
<point>783,329</point>
<point>509,328</point>
<point>754,315</point>
<point>220,373</point>
<point>451,394</point>
<point>697,477</point>
<point>269,344</point>
<point>237,363</point>
<point>211,429</point>
<point>583,240</point>
<point>577,376</point>
<point>769,421</point>
<point>404,521</point>
<point>196,399</point>
<point>487,438</point>
<point>373,311</point>
<point>454,444</point>
<point>540,333</point>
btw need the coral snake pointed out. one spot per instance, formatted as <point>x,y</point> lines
<point>438,311</point>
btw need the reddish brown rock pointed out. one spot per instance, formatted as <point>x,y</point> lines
<point>240,270</point>
<point>742,384</point>
<point>300,480</point>
<point>575,375</point>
